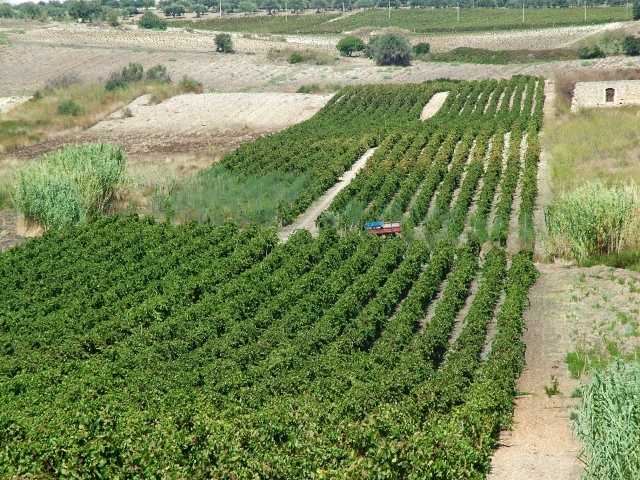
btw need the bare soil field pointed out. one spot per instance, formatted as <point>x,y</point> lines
<point>42,53</point>
<point>7,103</point>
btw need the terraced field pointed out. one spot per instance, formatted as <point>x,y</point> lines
<point>213,351</point>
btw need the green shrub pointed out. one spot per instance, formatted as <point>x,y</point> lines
<point>391,49</point>
<point>350,44</point>
<point>115,82</point>
<point>69,184</point>
<point>295,57</point>
<point>190,85</point>
<point>593,51</point>
<point>421,49</point>
<point>224,43</point>
<point>112,18</point>
<point>133,72</point>
<point>631,45</point>
<point>151,21</point>
<point>69,107</point>
<point>158,74</point>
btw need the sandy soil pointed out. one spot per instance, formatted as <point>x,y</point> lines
<point>571,308</point>
<point>7,103</point>
<point>308,219</point>
<point>433,106</point>
<point>9,235</point>
<point>44,52</point>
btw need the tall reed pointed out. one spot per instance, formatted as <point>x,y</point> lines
<point>65,186</point>
<point>608,423</point>
<point>594,220</point>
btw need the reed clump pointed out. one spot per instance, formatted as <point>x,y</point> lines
<point>607,423</point>
<point>64,187</point>
<point>595,220</point>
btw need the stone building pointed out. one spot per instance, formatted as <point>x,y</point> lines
<point>606,94</point>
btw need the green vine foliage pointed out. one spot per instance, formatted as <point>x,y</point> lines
<point>136,349</point>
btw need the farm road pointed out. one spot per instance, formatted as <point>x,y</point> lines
<point>308,219</point>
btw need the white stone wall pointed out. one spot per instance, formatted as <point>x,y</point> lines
<point>593,94</point>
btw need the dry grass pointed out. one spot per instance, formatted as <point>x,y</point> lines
<point>594,145</point>
<point>565,82</point>
<point>38,119</point>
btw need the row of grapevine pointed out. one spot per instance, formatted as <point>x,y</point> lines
<point>213,351</point>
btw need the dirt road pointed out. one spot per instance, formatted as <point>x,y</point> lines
<point>308,219</point>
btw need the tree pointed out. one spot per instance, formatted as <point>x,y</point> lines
<point>199,10</point>
<point>319,5</point>
<point>84,10</point>
<point>223,43</point>
<point>247,6</point>
<point>350,44</point>
<point>631,45</point>
<point>391,49</point>
<point>270,5</point>
<point>5,10</point>
<point>296,5</point>
<point>112,18</point>
<point>151,21</point>
<point>636,9</point>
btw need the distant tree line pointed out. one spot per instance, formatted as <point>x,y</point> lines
<point>89,11</point>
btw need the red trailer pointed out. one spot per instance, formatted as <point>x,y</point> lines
<point>383,228</point>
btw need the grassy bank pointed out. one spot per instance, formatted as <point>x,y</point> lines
<point>503,57</point>
<point>594,145</point>
<point>83,105</point>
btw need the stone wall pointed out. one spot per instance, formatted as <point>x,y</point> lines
<point>594,94</point>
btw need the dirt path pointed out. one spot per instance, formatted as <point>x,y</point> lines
<point>434,105</point>
<point>541,445</point>
<point>308,219</point>
<point>8,226</point>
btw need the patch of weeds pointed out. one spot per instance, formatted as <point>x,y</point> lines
<point>150,51</point>
<point>127,113</point>
<point>387,77</point>
<point>577,393</point>
<point>621,281</point>
<point>605,298</point>
<point>585,64</point>
<point>553,388</point>
<point>172,59</point>
<point>623,317</point>
<point>69,107</point>
<point>574,298</point>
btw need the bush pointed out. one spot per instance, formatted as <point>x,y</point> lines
<point>295,57</point>
<point>421,48</point>
<point>636,9</point>
<point>593,51</point>
<point>391,49</point>
<point>631,45</point>
<point>150,21</point>
<point>191,85</point>
<point>348,45</point>
<point>158,74</point>
<point>132,73</point>
<point>69,107</point>
<point>223,43</point>
<point>115,82</point>
<point>69,184</point>
<point>112,18</point>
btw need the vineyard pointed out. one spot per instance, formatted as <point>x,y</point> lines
<point>138,349</point>
<point>438,20</point>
